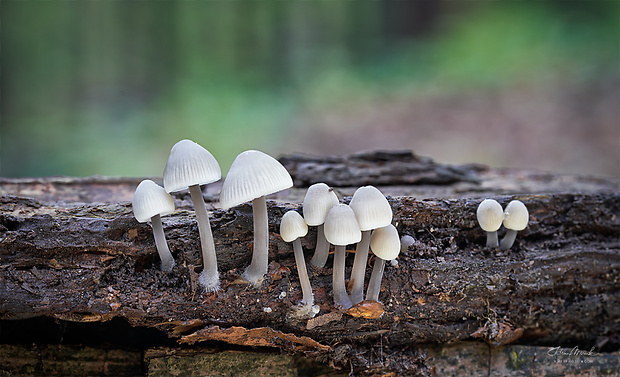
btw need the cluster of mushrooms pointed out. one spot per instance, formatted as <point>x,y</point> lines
<point>491,216</point>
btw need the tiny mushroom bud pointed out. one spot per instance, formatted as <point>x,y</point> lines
<point>319,199</point>
<point>292,228</point>
<point>189,166</point>
<point>253,175</point>
<point>372,211</point>
<point>516,218</point>
<point>341,229</point>
<point>150,202</point>
<point>386,245</point>
<point>490,216</point>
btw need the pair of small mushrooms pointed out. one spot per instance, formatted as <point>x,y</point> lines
<point>491,216</point>
<point>252,175</point>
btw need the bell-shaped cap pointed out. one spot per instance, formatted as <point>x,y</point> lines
<point>341,226</point>
<point>516,215</point>
<point>292,226</point>
<point>490,215</point>
<point>150,199</point>
<point>189,164</point>
<point>371,208</point>
<point>385,243</point>
<point>319,199</point>
<point>253,174</point>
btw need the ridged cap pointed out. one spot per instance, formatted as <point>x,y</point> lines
<point>490,215</point>
<point>189,164</point>
<point>253,174</point>
<point>319,199</point>
<point>151,199</point>
<point>385,242</point>
<point>341,227</point>
<point>516,215</point>
<point>371,208</point>
<point>292,226</point>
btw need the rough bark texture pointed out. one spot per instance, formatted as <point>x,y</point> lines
<point>79,259</point>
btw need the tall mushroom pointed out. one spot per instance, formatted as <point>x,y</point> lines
<point>386,245</point>
<point>372,211</point>
<point>341,229</point>
<point>253,175</point>
<point>490,216</point>
<point>516,218</point>
<point>319,199</point>
<point>150,202</point>
<point>189,166</point>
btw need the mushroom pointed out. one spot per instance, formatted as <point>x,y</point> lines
<point>189,166</point>
<point>386,245</point>
<point>292,228</point>
<point>150,202</point>
<point>253,175</point>
<point>341,229</point>
<point>490,216</point>
<point>319,199</point>
<point>516,218</point>
<point>372,211</point>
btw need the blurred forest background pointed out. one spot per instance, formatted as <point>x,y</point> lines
<point>107,87</point>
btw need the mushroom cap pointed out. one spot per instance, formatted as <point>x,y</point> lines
<point>385,243</point>
<point>253,174</point>
<point>189,164</point>
<point>319,199</point>
<point>150,199</point>
<point>371,208</point>
<point>341,226</point>
<point>516,215</point>
<point>490,215</point>
<point>292,226</point>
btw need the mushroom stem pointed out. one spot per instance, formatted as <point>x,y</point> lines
<point>374,285</point>
<point>260,255</point>
<point>359,268</point>
<point>508,240</point>
<point>492,239</point>
<point>167,262</point>
<point>321,252</point>
<point>341,298</point>
<point>209,277</point>
<point>306,289</point>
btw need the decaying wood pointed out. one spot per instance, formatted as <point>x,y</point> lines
<point>559,285</point>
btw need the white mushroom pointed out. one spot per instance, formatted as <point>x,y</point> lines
<point>490,216</point>
<point>372,211</point>
<point>189,166</point>
<point>253,175</point>
<point>319,199</point>
<point>386,245</point>
<point>516,218</point>
<point>150,202</point>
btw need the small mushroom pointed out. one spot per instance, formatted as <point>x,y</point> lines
<point>189,166</point>
<point>490,216</point>
<point>341,229</point>
<point>319,199</point>
<point>253,175</point>
<point>386,245</point>
<point>292,228</point>
<point>150,202</point>
<point>372,211</point>
<point>516,218</point>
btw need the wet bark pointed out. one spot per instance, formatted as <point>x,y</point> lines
<point>559,285</point>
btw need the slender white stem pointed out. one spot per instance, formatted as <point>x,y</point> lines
<point>341,298</point>
<point>209,277</point>
<point>167,261</point>
<point>492,239</point>
<point>508,240</point>
<point>321,252</point>
<point>359,268</point>
<point>260,256</point>
<point>374,285</point>
<point>306,289</point>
